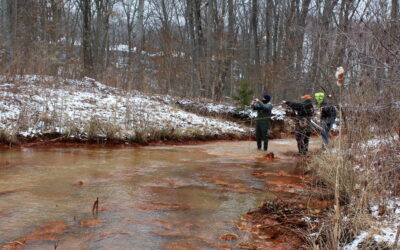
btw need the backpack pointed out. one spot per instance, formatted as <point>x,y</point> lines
<point>328,111</point>
<point>309,109</point>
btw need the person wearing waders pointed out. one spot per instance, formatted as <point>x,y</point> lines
<point>304,112</point>
<point>263,121</point>
<point>328,116</point>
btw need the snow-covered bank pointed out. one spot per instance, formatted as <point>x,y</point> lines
<point>33,106</point>
<point>384,211</point>
<point>368,190</point>
<point>387,224</point>
<point>217,109</point>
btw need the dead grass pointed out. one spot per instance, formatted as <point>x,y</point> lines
<point>8,138</point>
<point>46,116</point>
<point>368,175</point>
<point>323,166</point>
<point>368,172</point>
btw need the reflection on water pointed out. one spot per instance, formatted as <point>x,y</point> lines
<point>149,198</point>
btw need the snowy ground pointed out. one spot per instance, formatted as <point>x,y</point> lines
<point>32,105</point>
<point>386,227</point>
<point>385,215</point>
<point>218,109</point>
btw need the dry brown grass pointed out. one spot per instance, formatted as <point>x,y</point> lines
<point>323,167</point>
<point>7,137</point>
<point>368,173</point>
<point>367,176</point>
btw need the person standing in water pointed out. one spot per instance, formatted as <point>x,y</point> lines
<point>263,122</point>
<point>304,112</point>
<point>328,116</point>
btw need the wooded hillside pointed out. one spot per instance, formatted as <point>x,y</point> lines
<point>205,48</point>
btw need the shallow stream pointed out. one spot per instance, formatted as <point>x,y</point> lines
<point>164,197</point>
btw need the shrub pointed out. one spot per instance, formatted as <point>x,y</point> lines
<point>243,95</point>
<point>7,138</point>
<point>93,128</point>
<point>110,130</point>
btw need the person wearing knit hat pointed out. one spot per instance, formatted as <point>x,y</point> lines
<point>264,111</point>
<point>306,97</point>
<point>267,98</point>
<point>304,112</point>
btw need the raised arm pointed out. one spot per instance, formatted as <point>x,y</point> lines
<point>294,105</point>
<point>258,105</point>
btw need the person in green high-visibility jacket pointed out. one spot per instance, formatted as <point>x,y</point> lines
<point>328,116</point>
<point>263,122</point>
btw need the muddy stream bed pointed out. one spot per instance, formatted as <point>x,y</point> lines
<point>161,197</point>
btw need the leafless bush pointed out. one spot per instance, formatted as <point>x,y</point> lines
<point>366,159</point>
<point>139,136</point>
<point>47,121</point>
<point>110,130</point>
<point>8,137</point>
<point>23,120</point>
<point>93,128</point>
<point>349,228</point>
<point>324,167</point>
<point>150,133</point>
<point>72,129</point>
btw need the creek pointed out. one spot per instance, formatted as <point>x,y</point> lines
<point>156,197</point>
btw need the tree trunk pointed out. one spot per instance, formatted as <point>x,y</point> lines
<point>199,36</point>
<point>140,26</point>
<point>275,43</point>
<point>268,30</point>
<point>289,51</point>
<point>300,35</point>
<point>254,29</point>
<point>166,47</point>
<point>195,86</point>
<point>321,44</point>
<point>9,8</point>
<point>255,60</point>
<point>227,73</point>
<point>140,45</point>
<point>86,36</point>
<point>212,53</point>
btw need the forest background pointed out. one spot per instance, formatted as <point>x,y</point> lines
<point>206,48</point>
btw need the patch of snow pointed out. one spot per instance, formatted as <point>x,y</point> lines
<point>49,104</point>
<point>354,245</point>
<point>335,126</point>
<point>283,141</point>
<point>379,141</point>
<point>386,225</point>
<point>123,48</point>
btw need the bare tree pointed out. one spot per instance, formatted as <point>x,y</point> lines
<point>85,6</point>
<point>204,48</point>
<point>8,25</point>
<point>130,8</point>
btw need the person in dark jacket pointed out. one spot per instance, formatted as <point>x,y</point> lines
<point>264,110</point>
<point>328,116</point>
<point>304,112</point>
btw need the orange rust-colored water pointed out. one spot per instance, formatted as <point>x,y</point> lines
<point>163,197</point>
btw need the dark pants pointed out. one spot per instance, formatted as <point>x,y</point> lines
<point>262,127</point>
<point>327,125</point>
<point>302,132</point>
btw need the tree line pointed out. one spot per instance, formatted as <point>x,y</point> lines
<point>206,48</point>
